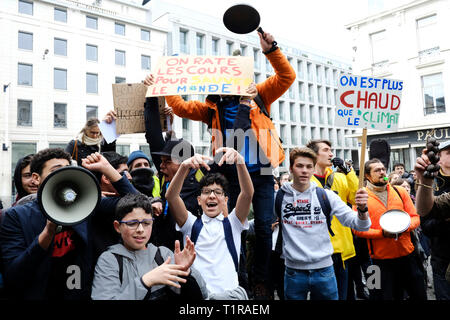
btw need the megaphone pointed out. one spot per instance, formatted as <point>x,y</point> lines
<point>69,195</point>
<point>242,19</point>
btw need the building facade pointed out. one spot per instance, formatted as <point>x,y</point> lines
<point>59,59</point>
<point>408,43</point>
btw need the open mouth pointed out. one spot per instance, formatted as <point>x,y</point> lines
<point>211,204</point>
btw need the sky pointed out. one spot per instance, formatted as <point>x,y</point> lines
<point>317,24</point>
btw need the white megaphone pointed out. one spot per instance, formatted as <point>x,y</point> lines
<point>69,195</point>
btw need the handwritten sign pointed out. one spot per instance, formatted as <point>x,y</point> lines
<point>129,101</point>
<point>367,102</point>
<point>180,75</point>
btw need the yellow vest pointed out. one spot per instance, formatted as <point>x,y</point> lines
<point>346,187</point>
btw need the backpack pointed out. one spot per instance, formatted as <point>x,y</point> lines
<point>197,227</point>
<point>162,293</point>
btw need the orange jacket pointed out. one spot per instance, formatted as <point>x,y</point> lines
<point>389,248</point>
<point>264,130</point>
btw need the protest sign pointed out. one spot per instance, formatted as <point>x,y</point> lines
<point>181,75</point>
<point>367,102</point>
<point>129,101</point>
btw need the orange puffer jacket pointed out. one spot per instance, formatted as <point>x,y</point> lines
<point>264,130</point>
<point>389,248</point>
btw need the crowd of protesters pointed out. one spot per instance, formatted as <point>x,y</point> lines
<point>183,232</point>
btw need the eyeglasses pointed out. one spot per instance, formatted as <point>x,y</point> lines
<point>207,191</point>
<point>134,224</point>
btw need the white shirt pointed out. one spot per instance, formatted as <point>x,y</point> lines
<point>213,259</point>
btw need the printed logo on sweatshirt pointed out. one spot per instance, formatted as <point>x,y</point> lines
<point>299,214</point>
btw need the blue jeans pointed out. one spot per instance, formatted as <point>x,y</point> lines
<point>263,202</point>
<point>441,286</point>
<point>320,282</point>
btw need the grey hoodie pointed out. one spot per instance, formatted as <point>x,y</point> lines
<point>106,285</point>
<point>306,241</point>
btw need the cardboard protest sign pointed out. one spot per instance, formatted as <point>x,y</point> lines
<point>180,75</point>
<point>367,102</point>
<point>129,101</point>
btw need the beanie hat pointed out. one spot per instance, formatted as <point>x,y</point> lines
<point>137,155</point>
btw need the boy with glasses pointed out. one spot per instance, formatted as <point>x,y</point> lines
<point>133,270</point>
<point>217,233</point>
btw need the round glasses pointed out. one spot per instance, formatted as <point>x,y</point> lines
<point>134,224</point>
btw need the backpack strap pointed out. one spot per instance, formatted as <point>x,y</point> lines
<point>197,227</point>
<point>230,242</point>
<point>278,202</point>
<point>396,190</point>
<point>326,207</point>
<point>259,101</point>
<point>329,181</point>
<point>119,259</point>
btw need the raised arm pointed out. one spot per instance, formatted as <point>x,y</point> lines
<point>244,199</point>
<point>178,208</point>
<point>424,193</point>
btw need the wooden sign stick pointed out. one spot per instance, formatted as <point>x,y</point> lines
<point>363,158</point>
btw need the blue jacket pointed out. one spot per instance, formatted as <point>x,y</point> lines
<point>27,265</point>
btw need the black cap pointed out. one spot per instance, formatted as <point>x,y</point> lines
<point>177,149</point>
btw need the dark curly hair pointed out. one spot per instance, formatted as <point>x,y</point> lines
<point>131,201</point>
<point>212,178</point>
<point>40,158</point>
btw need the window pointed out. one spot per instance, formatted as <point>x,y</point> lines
<point>57,145</point>
<point>60,115</point>
<point>120,57</point>
<point>309,68</point>
<point>120,80</point>
<point>91,22</point>
<point>60,15</point>
<point>184,48</point>
<point>200,39</point>
<point>301,91</point>
<point>379,44</point>
<point>433,93</point>
<point>311,114</point>
<point>204,134</point>
<point>282,111</point>
<point>215,47</point>
<point>187,134</point>
<point>60,79</point>
<point>311,93</point>
<point>119,28</point>
<point>243,49</point>
<point>145,35</point>
<point>300,71</point>
<point>19,150</point>
<point>91,52</point>
<point>26,7</point>
<point>24,113</point>
<point>304,138</point>
<point>25,40</point>
<point>426,33</point>
<point>294,136</point>
<point>25,74</point>
<point>229,48</point>
<point>302,113</point>
<point>145,62</point>
<point>330,116</point>
<point>91,112</point>
<point>321,115</point>
<point>328,93</point>
<point>60,47</point>
<point>292,113</point>
<point>319,94</point>
<point>283,133</point>
<point>257,61</point>
<point>91,83</point>
<point>123,149</point>
<point>319,74</point>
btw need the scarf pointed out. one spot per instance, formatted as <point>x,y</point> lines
<point>90,141</point>
<point>380,192</point>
